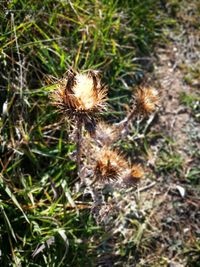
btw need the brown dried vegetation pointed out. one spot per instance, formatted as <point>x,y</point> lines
<point>146,100</point>
<point>82,97</point>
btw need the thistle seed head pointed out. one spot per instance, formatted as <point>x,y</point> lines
<point>81,96</point>
<point>135,173</point>
<point>109,165</point>
<point>146,100</point>
<point>106,134</point>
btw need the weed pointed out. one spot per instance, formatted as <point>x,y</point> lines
<point>44,219</point>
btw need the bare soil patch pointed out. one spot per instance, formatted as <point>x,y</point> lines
<point>177,205</point>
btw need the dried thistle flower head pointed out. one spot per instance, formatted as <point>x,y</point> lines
<point>106,134</point>
<point>110,165</point>
<point>81,96</point>
<point>146,100</point>
<point>135,173</point>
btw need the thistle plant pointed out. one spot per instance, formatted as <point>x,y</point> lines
<point>82,98</point>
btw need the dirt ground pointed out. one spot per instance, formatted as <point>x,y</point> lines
<point>167,203</point>
<point>177,215</point>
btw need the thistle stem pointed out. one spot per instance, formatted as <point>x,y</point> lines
<point>78,144</point>
<point>125,122</point>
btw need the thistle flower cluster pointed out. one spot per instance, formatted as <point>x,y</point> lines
<point>82,98</point>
